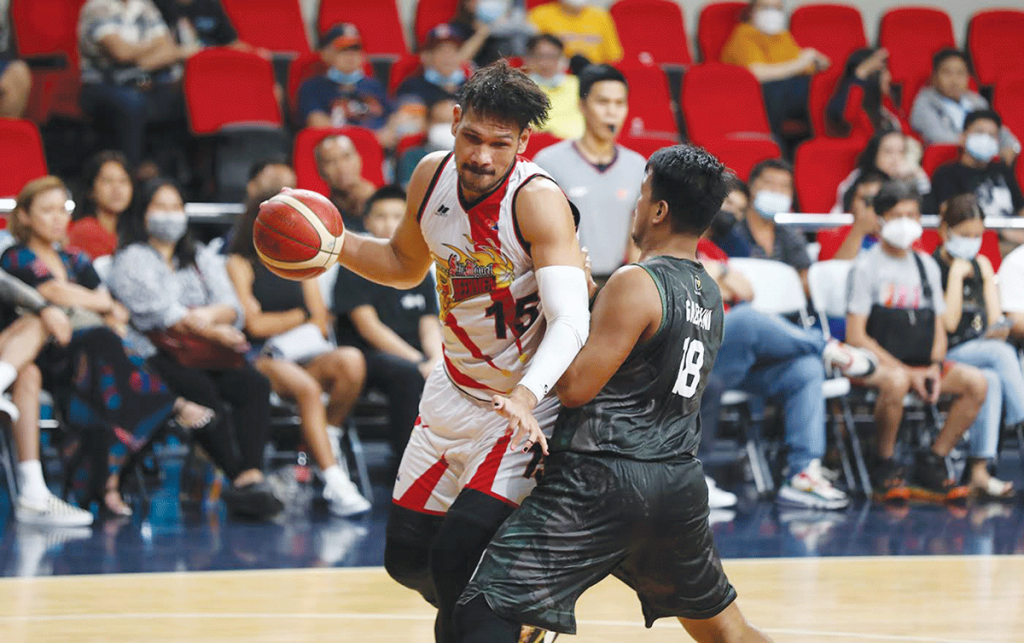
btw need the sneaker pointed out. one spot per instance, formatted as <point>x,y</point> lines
<point>931,481</point>
<point>809,488</point>
<point>52,512</point>
<point>345,501</point>
<point>531,634</point>
<point>255,500</point>
<point>849,361</point>
<point>888,482</point>
<point>719,498</point>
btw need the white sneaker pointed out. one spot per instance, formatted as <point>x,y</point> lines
<point>51,512</point>
<point>346,500</point>
<point>809,488</point>
<point>849,361</point>
<point>719,498</point>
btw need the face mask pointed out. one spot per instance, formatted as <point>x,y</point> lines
<point>434,77</point>
<point>901,232</point>
<point>489,11</point>
<point>768,203</point>
<point>770,21</point>
<point>342,78</point>
<point>965,248</point>
<point>167,226</point>
<point>982,147</point>
<point>549,83</point>
<point>440,136</point>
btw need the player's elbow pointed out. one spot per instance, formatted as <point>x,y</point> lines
<point>572,395</point>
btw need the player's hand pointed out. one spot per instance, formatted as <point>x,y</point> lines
<point>56,322</point>
<point>517,408</point>
<point>588,270</point>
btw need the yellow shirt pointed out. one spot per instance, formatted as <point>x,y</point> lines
<point>591,33</point>
<point>747,45</point>
<point>564,120</point>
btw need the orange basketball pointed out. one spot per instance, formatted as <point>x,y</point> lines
<point>298,234</point>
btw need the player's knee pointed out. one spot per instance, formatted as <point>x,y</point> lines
<point>408,565</point>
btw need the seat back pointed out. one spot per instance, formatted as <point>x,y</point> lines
<point>821,165</point>
<point>741,155</point>
<point>995,39</point>
<point>936,155</point>
<point>827,282</point>
<point>836,30</point>
<point>645,146</point>
<point>650,103</point>
<point>401,69</point>
<point>225,87</point>
<point>637,20</point>
<point>1008,101</point>
<point>777,286</point>
<point>271,24</point>
<point>22,159</point>
<point>715,24</point>
<point>722,101</point>
<point>913,35</point>
<point>46,27</point>
<point>429,14</point>
<point>378,21</point>
<point>304,161</point>
<point>538,141</point>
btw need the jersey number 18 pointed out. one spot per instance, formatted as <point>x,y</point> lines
<point>689,368</point>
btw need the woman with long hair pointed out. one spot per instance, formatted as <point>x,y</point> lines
<point>106,192</point>
<point>895,155</point>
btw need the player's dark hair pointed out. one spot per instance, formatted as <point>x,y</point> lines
<point>943,55</point>
<point>894,192</point>
<point>506,94</point>
<point>85,204</point>
<point>131,226</point>
<point>553,40</point>
<point>982,115</point>
<point>383,194</point>
<point>692,182</point>
<point>868,157</point>
<point>241,232</point>
<point>256,168</point>
<point>870,176</point>
<point>596,73</point>
<point>770,164</point>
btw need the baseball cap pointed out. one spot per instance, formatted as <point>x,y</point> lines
<point>439,34</point>
<point>344,35</point>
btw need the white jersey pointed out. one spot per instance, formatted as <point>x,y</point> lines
<point>490,309</point>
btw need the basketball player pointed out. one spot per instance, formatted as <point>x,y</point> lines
<point>623,493</point>
<point>514,310</point>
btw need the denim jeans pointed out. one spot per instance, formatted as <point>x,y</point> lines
<point>786,99</point>
<point>767,356</point>
<point>127,110</point>
<point>998,360</point>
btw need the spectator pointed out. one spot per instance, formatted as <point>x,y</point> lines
<point>600,177</point>
<point>129,399</point>
<point>586,30</point>
<point>847,241</point>
<point>199,23</point>
<point>439,136</point>
<point>722,232</point>
<point>176,288</point>
<point>275,307</point>
<point>269,175</point>
<point>940,110</point>
<point>868,69</point>
<point>398,330</point>
<point>442,75</point>
<point>106,194</point>
<point>130,70</point>
<point>762,44</point>
<point>547,65</point>
<point>15,77</point>
<point>490,29</point>
<point>344,95</point>
<point>339,164</point>
<point>977,333</point>
<point>893,154</point>
<point>1011,292</point>
<point>894,309</point>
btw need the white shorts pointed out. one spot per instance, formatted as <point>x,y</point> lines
<point>461,443</point>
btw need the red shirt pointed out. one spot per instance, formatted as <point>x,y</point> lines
<point>91,238</point>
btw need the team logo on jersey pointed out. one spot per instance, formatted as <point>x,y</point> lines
<point>464,275</point>
<point>443,210</point>
<point>697,284</point>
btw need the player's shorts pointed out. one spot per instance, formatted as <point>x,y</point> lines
<point>644,522</point>
<point>461,443</point>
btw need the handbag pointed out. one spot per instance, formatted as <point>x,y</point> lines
<point>906,333</point>
<point>298,345</point>
<point>194,351</point>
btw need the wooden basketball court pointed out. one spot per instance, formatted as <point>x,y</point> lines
<point>933,599</point>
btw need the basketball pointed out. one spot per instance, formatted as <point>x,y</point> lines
<point>298,234</point>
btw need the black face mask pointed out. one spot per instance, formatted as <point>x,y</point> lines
<point>723,223</point>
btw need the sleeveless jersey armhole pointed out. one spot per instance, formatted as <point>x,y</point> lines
<point>515,216</point>
<point>664,304</point>
<point>431,186</point>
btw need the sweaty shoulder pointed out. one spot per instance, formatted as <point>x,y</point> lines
<point>633,291</point>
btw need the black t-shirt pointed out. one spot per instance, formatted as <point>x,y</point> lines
<point>211,24</point>
<point>399,310</point>
<point>994,186</point>
<point>425,90</point>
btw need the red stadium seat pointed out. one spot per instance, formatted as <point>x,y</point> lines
<point>913,35</point>
<point>716,22</point>
<point>430,13</point>
<point>1008,101</point>
<point>23,158</point>
<point>821,165</point>
<point>304,162</point>
<point>650,103</point>
<point>835,30</point>
<point>402,68</point>
<point>530,4</point>
<point>377,20</point>
<point>410,141</point>
<point>994,40</point>
<point>225,87</point>
<point>538,141</point>
<point>936,155</point>
<point>1019,166</point>
<point>638,20</point>
<point>47,29</point>
<point>645,146</point>
<point>270,24</point>
<point>719,101</point>
<point>302,69</point>
<point>741,155</point>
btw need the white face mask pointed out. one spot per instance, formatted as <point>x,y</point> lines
<point>770,22</point>
<point>902,232</point>
<point>489,11</point>
<point>982,147</point>
<point>440,136</point>
<point>965,248</point>
<point>768,203</point>
<point>167,225</point>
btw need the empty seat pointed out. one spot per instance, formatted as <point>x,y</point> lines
<point>835,30</point>
<point>650,102</point>
<point>377,20</point>
<point>304,162</point>
<point>741,155</point>
<point>821,165</point>
<point>271,24</point>
<point>637,22</point>
<point>645,146</point>
<point>538,141</point>
<point>716,22</point>
<point>1008,101</point>
<point>225,87</point>
<point>936,155</point>
<point>430,13</point>
<point>45,29</point>
<point>913,35</point>
<point>402,68</point>
<point>22,159</point>
<point>994,40</point>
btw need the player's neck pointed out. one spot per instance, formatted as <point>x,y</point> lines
<point>672,245</point>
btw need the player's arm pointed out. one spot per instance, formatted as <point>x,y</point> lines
<point>403,260</point>
<point>627,311</point>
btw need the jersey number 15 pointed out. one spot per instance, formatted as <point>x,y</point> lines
<point>689,368</point>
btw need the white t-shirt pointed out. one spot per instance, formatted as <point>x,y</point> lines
<point>1011,281</point>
